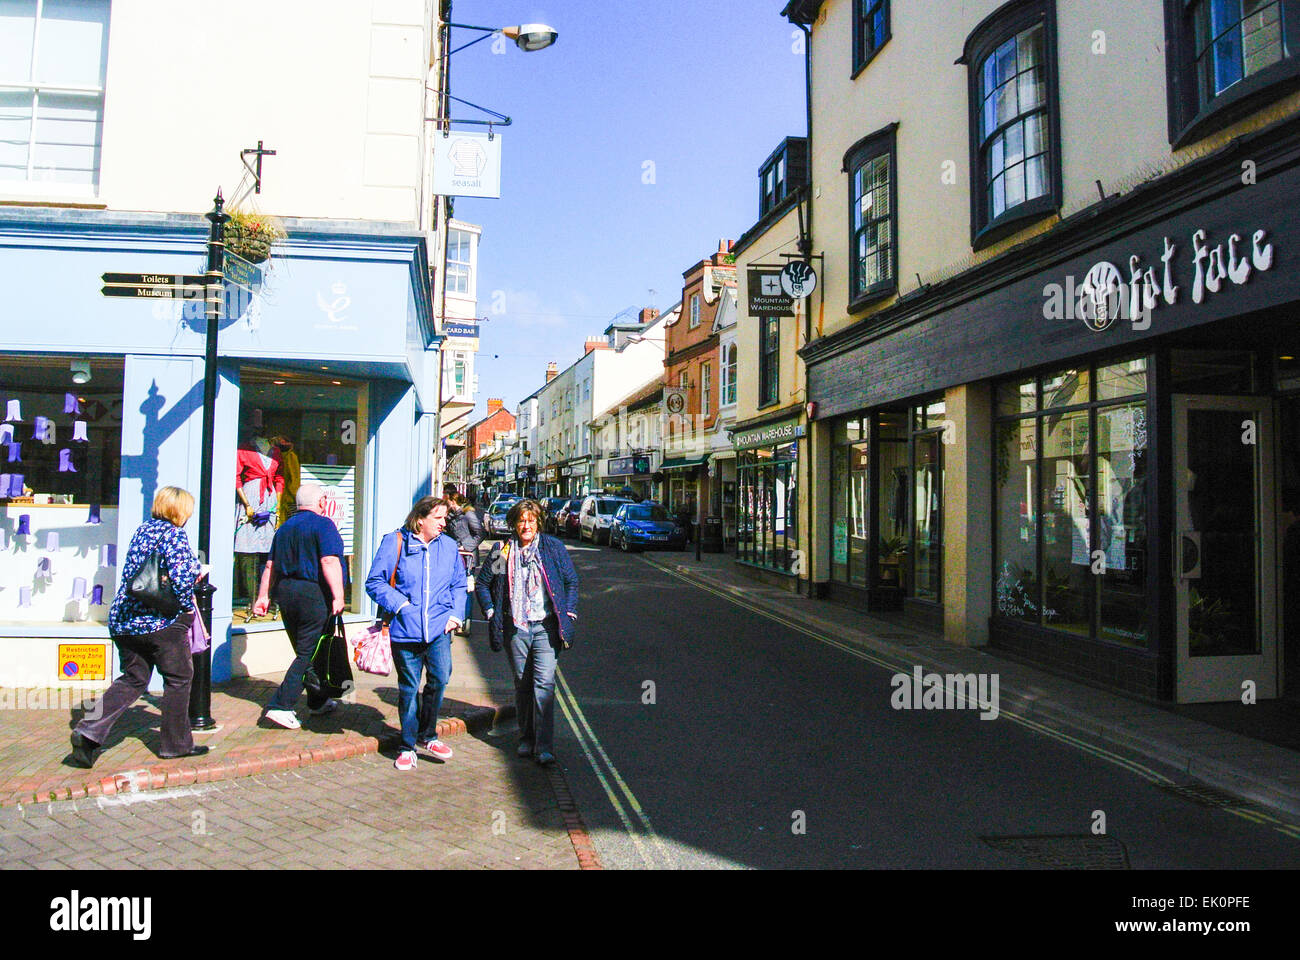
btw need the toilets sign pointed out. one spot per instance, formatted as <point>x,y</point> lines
<point>1106,294</point>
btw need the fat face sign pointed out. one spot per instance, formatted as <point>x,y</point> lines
<point>1105,295</point>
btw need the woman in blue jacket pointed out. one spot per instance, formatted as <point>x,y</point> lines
<point>530,591</point>
<point>418,579</point>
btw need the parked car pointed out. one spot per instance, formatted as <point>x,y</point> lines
<point>566,518</point>
<point>596,516</point>
<point>553,505</point>
<point>638,526</point>
<point>495,520</point>
<point>568,523</point>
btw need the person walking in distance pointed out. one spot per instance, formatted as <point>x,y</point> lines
<point>466,529</point>
<point>529,589</point>
<point>417,577</point>
<point>304,575</point>
<point>146,638</point>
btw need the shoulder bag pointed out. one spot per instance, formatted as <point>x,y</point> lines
<point>152,585</point>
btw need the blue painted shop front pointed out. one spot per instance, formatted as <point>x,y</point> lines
<point>328,373</point>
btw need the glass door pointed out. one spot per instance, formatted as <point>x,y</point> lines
<point>1225,548</point>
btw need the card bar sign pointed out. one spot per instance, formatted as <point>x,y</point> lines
<point>467,165</point>
<point>766,298</point>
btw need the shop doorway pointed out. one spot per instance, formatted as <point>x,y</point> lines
<point>1225,557</point>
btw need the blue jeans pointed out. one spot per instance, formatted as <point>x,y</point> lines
<point>532,657</point>
<point>408,658</point>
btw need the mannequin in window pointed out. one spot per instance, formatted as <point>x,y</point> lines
<point>258,486</point>
<point>291,471</point>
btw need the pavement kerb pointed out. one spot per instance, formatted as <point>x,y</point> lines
<point>162,776</point>
<point>1033,704</point>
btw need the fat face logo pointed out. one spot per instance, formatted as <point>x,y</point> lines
<point>1100,296</point>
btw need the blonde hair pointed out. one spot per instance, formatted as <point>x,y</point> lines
<point>174,504</point>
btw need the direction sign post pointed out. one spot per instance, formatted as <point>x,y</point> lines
<point>201,687</point>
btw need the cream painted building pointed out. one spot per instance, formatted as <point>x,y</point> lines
<point>1052,235</point>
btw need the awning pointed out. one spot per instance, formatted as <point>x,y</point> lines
<point>453,417</point>
<point>683,463</point>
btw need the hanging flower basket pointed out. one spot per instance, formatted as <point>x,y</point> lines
<point>251,235</point>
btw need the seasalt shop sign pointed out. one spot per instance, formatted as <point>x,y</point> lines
<point>771,433</point>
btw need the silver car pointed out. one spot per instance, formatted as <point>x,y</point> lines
<point>597,514</point>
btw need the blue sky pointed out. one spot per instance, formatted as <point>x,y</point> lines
<point>703,91</point>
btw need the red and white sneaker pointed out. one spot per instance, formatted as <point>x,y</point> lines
<point>405,760</point>
<point>436,747</point>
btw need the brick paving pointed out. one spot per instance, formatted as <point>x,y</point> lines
<point>34,742</point>
<point>483,809</point>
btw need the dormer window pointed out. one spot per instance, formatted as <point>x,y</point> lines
<point>782,173</point>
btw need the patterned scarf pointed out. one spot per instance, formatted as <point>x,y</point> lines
<point>527,592</point>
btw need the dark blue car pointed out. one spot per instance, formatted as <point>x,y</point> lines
<point>637,526</point>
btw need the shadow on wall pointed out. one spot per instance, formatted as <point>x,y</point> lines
<point>158,426</point>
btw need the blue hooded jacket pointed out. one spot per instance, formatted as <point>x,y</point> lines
<point>430,585</point>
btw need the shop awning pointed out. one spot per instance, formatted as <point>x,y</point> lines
<point>683,463</point>
<point>453,417</point>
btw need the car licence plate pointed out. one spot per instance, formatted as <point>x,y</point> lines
<point>659,536</point>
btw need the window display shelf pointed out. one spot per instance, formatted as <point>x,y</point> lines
<point>54,565</point>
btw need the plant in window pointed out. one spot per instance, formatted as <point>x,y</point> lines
<point>251,235</point>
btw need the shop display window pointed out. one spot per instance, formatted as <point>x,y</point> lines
<point>60,470</point>
<point>295,428</point>
<point>1070,527</point>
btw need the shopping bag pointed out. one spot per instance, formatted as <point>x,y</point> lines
<point>372,652</point>
<point>330,674</point>
<point>198,632</point>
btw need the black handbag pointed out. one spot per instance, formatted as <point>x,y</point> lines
<point>330,672</point>
<point>152,586</point>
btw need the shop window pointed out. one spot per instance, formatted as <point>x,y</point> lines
<point>870,31</point>
<point>873,220</point>
<point>1015,152</point>
<point>1227,58</point>
<point>296,428</point>
<point>1071,502</point>
<point>767,479</point>
<point>53,54</point>
<point>60,471</point>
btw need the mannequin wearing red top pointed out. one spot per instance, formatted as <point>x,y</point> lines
<point>258,486</point>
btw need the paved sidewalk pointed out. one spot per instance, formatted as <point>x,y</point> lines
<point>34,745</point>
<point>484,809</point>
<point>1245,766</point>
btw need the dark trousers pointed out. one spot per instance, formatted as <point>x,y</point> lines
<point>169,650</point>
<point>305,613</point>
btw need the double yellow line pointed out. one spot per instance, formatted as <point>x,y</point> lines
<point>644,838</point>
<point>1142,771</point>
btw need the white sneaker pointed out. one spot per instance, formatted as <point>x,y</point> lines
<point>329,706</point>
<point>284,718</point>
<point>405,760</point>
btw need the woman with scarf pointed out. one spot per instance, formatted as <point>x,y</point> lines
<point>530,591</point>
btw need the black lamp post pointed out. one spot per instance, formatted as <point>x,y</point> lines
<point>201,687</point>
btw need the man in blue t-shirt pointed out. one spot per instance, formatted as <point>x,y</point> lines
<point>304,573</point>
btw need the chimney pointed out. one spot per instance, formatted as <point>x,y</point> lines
<point>494,405</point>
<point>552,371</point>
<point>595,343</point>
<point>648,315</point>
<point>724,247</point>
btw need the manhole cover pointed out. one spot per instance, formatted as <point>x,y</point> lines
<point>1066,851</point>
<point>1202,794</point>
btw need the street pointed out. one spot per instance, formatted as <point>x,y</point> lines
<point>696,733</point>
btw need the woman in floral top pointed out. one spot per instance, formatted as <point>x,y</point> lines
<point>146,639</point>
